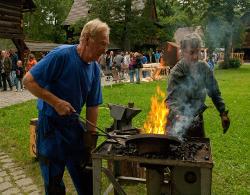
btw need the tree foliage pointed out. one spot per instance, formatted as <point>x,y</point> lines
<point>194,10</point>
<point>45,22</point>
<point>172,15</point>
<point>220,20</point>
<point>130,27</point>
<point>223,25</point>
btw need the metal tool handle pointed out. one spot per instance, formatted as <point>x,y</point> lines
<point>93,125</point>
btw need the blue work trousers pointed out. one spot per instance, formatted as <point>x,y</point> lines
<point>52,173</point>
<point>60,145</point>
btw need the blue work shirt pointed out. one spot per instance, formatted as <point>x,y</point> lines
<point>66,75</point>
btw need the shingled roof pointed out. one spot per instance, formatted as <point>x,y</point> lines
<point>80,9</point>
<point>34,46</point>
<point>180,33</point>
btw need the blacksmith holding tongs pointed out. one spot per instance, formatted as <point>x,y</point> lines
<point>189,82</point>
<point>65,80</point>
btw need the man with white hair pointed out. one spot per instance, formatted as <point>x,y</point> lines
<point>64,81</point>
<point>189,82</point>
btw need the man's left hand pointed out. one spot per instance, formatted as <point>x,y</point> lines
<point>90,141</point>
<point>225,121</point>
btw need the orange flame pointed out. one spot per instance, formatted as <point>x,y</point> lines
<point>157,117</point>
<point>162,62</point>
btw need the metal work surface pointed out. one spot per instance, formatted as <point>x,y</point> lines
<point>152,143</point>
<point>167,165</point>
<point>188,166</point>
<point>195,152</point>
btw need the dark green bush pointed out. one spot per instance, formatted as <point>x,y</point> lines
<point>233,63</point>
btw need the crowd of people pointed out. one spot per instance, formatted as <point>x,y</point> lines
<point>12,70</point>
<point>118,64</point>
<point>121,64</point>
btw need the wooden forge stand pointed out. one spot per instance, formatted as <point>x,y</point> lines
<point>163,175</point>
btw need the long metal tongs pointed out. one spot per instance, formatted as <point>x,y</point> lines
<point>84,120</point>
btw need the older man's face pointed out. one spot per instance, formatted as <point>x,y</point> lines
<point>191,55</point>
<point>98,45</point>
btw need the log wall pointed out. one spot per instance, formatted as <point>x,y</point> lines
<point>11,19</point>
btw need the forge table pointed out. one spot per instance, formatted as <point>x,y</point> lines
<point>187,176</point>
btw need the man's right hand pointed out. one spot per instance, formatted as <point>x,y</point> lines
<point>64,108</point>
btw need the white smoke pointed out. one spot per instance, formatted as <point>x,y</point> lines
<point>194,80</point>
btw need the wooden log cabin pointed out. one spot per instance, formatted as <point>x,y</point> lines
<point>11,21</point>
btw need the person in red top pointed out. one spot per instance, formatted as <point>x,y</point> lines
<point>31,62</point>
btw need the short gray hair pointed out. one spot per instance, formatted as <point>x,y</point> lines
<point>192,41</point>
<point>94,27</point>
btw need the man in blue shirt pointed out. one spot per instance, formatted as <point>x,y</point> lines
<point>64,80</point>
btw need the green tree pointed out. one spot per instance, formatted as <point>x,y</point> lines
<point>130,27</point>
<point>44,24</point>
<point>171,16</point>
<point>223,26</point>
<point>175,14</point>
<point>189,12</point>
<point>220,20</point>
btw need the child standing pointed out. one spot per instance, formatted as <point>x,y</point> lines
<point>31,62</point>
<point>19,76</point>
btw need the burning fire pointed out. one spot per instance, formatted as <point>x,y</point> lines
<point>157,117</point>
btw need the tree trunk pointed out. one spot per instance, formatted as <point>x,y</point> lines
<point>228,49</point>
<point>126,43</point>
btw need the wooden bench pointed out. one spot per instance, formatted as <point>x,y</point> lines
<point>155,70</point>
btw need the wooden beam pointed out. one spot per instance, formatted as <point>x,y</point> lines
<point>10,18</point>
<point>11,35</point>
<point>10,30</point>
<point>21,46</point>
<point>11,6</point>
<point>10,24</point>
<point>9,12</point>
<point>22,5</point>
<point>12,2</point>
<point>97,166</point>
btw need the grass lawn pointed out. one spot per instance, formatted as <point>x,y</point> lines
<point>231,172</point>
